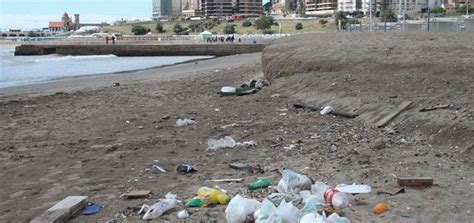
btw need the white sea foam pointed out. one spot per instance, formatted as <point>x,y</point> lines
<point>57,58</point>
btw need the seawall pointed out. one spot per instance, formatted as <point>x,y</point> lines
<point>140,50</point>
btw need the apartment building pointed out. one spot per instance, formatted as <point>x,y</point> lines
<point>320,7</point>
<point>248,8</point>
<point>166,8</point>
<point>225,8</point>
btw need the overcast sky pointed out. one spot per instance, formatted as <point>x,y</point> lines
<point>28,14</point>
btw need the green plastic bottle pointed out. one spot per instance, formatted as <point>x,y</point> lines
<point>260,183</point>
<point>197,202</point>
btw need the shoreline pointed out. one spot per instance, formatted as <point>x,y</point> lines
<point>95,81</point>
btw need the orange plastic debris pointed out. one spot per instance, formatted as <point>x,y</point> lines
<point>380,208</point>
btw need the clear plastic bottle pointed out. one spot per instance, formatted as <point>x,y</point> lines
<point>331,195</point>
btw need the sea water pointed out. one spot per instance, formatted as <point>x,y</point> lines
<point>24,70</point>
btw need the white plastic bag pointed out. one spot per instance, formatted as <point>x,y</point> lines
<point>184,122</point>
<point>326,110</point>
<point>292,182</point>
<point>335,218</point>
<point>156,210</point>
<point>287,212</point>
<point>313,218</point>
<point>239,208</point>
<point>354,189</point>
<point>311,202</point>
<point>265,211</point>
<point>226,142</point>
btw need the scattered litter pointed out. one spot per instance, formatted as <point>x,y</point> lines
<point>275,96</point>
<point>156,167</point>
<point>198,202</point>
<point>116,84</point>
<point>332,196</point>
<point>91,209</point>
<point>137,194</point>
<point>184,122</point>
<point>290,147</point>
<point>217,110</point>
<point>228,180</point>
<point>277,198</point>
<point>182,214</point>
<point>326,110</point>
<point>392,190</point>
<point>282,114</point>
<point>354,189</point>
<point>260,183</point>
<point>250,143</point>
<point>292,182</point>
<point>435,108</point>
<point>140,127</point>
<point>156,210</point>
<point>223,143</point>
<point>380,208</point>
<point>330,110</point>
<point>259,84</point>
<point>185,168</point>
<point>239,208</point>
<point>166,117</point>
<point>246,167</point>
<point>282,109</point>
<point>240,91</point>
<point>216,196</point>
<point>228,90</point>
<point>415,181</point>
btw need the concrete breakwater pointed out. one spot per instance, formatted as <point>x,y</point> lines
<point>140,50</point>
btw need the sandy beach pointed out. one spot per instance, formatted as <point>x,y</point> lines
<point>82,136</point>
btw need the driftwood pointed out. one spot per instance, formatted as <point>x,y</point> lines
<point>62,211</point>
<point>415,181</point>
<point>434,108</point>
<point>385,120</point>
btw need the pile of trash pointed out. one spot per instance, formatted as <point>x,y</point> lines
<point>318,202</point>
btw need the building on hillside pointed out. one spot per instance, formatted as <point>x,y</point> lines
<point>166,8</point>
<point>452,4</point>
<point>191,8</point>
<point>412,5</point>
<point>248,8</point>
<point>320,7</point>
<point>284,6</point>
<point>217,8</point>
<point>66,24</point>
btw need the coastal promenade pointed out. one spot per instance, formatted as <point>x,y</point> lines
<point>139,50</point>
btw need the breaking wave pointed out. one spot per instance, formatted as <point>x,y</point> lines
<point>57,58</point>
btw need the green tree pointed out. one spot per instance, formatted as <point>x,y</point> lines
<point>438,10</point>
<point>159,28</point>
<point>323,22</point>
<point>179,30</point>
<point>389,15</point>
<point>267,7</point>
<point>299,26</point>
<point>246,23</point>
<point>229,29</point>
<point>341,16</point>
<point>139,30</point>
<point>264,23</point>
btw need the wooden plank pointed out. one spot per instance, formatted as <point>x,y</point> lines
<point>138,194</point>
<point>62,210</point>
<point>385,120</point>
<point>415,181</point>
<point>434,108</point>
<point>228,180</point>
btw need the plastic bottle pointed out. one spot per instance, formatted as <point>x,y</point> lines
<point>260,183</point>
<point>331,195</point>
<point>198,202</point>
<point>216,196</point>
